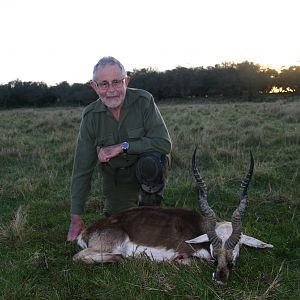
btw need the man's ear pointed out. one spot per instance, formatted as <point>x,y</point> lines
<point>93,85</point>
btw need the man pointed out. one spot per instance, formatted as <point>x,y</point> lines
<point>125,131</point>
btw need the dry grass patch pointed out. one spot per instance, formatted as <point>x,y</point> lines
<point>16,230</point>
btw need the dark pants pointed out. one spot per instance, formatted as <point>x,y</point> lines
<point>122,190</point>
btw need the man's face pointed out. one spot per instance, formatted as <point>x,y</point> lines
<point>110,86</point>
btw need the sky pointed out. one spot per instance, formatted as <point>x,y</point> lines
<point>61,40</point>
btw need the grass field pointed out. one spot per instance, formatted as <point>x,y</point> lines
<point>36,154</point>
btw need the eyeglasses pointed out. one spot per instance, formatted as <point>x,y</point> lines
<point>116,84</point>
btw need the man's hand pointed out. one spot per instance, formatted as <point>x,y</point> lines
<point>76,227</point>
<point>106,153</point>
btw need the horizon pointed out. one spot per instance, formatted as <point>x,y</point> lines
<point>279,69</point>
<point>55,41</point>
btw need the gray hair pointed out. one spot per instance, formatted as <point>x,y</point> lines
<point>108,60</point>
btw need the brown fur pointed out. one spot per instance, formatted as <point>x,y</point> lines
<point>168,227</point>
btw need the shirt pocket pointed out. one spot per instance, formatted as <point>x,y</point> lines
<point>136,133</point>
<point>104,141</point>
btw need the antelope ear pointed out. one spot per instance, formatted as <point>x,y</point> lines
<point>253,242</point>
<point>199,239</point>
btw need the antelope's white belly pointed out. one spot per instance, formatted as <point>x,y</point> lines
<point>155,254</point>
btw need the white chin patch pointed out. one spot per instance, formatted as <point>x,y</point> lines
<point>214,279</point>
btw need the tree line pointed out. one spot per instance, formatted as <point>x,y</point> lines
<point>245,80</point>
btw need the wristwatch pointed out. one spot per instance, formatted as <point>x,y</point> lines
<point>125,146</point>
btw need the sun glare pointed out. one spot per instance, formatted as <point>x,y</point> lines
<point>277,90</point>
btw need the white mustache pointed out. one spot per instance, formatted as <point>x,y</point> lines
<point>112,94</point>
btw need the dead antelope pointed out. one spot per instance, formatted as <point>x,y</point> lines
<point>171,234</point>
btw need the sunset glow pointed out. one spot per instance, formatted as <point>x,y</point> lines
<point>55,41</point>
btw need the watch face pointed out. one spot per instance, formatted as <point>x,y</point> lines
<point>125,146</point>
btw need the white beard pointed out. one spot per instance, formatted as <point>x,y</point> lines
<point>113,102</point>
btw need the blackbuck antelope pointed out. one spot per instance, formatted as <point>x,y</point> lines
<point>171,234</point>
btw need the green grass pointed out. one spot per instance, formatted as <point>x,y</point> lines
<point>36,154</point>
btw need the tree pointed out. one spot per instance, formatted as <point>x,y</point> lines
<point>250,78</point>
<point>289,79</point>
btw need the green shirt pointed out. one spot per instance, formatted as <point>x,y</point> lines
<point>140,124</point>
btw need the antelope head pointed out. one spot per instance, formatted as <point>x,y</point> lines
<point>225,237</point>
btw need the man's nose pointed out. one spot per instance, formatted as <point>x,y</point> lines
<point>110,88</point>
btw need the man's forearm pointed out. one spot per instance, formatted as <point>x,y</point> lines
<point>75,218</point>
